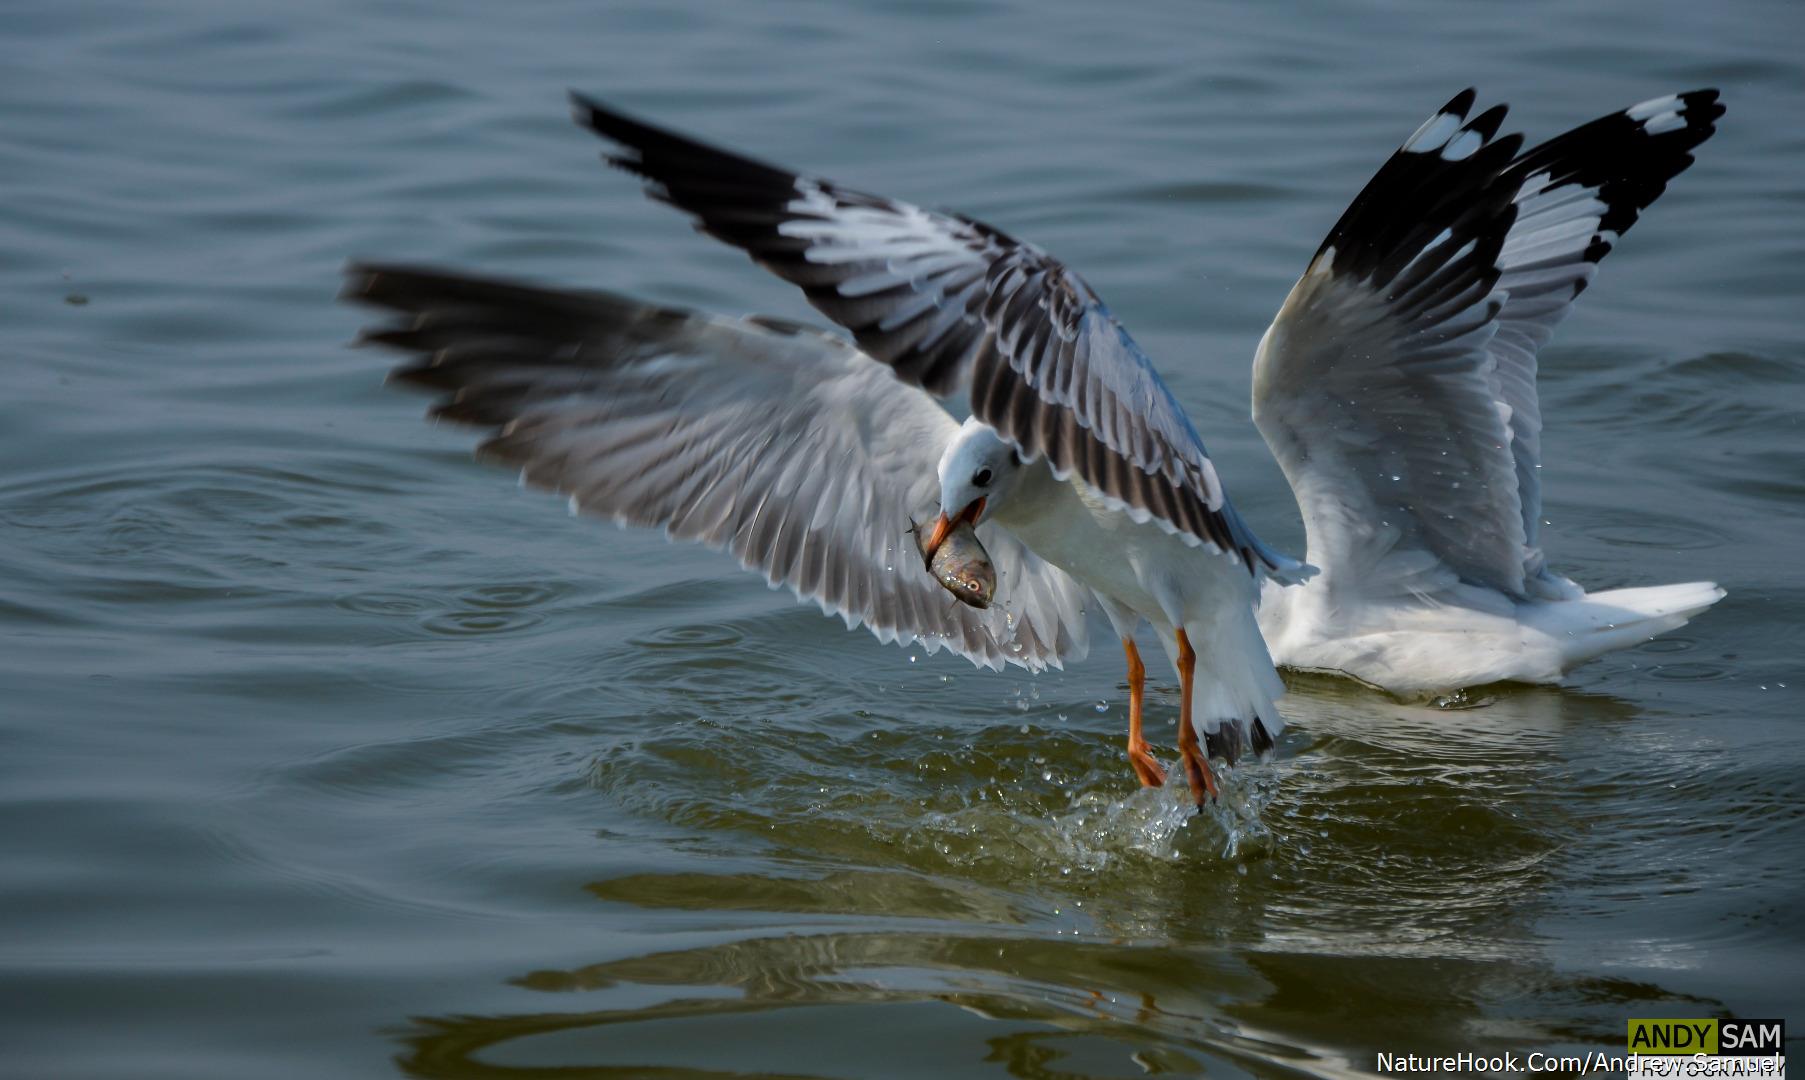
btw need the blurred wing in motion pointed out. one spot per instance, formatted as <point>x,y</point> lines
<point>960,309</point>
<point>788,447</point>
<point>1396,386</point>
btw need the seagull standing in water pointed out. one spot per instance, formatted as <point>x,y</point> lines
<point>1397,388</point>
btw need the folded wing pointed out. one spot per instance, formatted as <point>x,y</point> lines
<point>804,458</point>
<point>1397,384</point>
<point>959,308</point>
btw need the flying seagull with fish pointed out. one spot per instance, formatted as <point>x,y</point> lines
<point>1074,444</point>
<point>810,457</point>
<point>802,455</point>
<point>1397,389</point>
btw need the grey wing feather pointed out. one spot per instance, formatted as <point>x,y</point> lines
<point>959,307</point>
<point>804,458</point>
<point>1579,193</point>
<point>1397,384</point>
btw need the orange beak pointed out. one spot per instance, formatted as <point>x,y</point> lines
<point>944,525</point>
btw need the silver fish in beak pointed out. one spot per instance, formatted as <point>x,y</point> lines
<point>959,562</point>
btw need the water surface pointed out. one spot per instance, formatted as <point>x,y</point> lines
<point>326,752</point>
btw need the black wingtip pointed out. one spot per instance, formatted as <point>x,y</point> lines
<point>1705,102</point>
<point>658,155</point>
<point>1442,182</point>
<point>354,281</point>
<point>1461,103</point>
<point>1487,123</point>
<point>1627,157</point>
<point>590,113</point>
<point>615,126</point>
<point>373,283</point>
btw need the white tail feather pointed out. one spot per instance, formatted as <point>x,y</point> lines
<point>1602,622</point>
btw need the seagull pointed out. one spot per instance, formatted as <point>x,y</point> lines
<point>811,457</point>
<point>1074,444</point>
<point>810,461</point>
<point>1397,389</point>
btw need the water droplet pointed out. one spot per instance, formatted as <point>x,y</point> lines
<point>1102,706</point>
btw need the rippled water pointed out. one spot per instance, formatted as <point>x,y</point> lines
<point>329,753</point>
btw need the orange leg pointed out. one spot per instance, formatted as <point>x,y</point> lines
<point>1148,770</point>
<point>1197,768</point>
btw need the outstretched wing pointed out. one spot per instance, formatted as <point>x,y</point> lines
<point>1579,192</point>
<point>1396,387</point>
<point>787,447</point>
<point>957,307</point>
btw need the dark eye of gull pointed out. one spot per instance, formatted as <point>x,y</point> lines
<point>981,478</point>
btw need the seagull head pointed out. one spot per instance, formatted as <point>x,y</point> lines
<point>978,472</point>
